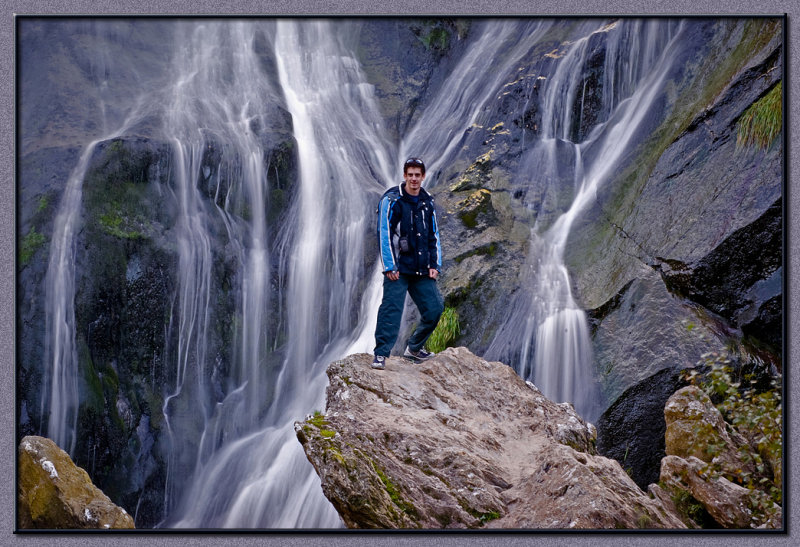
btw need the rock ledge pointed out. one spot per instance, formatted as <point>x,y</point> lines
<point>459,442</point>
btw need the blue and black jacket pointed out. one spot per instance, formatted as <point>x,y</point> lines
<point>399,216</point>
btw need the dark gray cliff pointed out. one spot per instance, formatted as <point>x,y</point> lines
<point>685,256</point>
<point>681,250</point>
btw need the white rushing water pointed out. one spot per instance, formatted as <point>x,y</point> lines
<point>60,395</point>
<point>263,479</point>
<point>555,349</point>
<point>233,458</point>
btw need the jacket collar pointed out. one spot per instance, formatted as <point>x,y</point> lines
<point>423,194</point>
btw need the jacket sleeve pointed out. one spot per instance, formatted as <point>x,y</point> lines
<point>434,241</point>
<point>385,234</point>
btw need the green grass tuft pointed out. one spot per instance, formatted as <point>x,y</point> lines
<point>446,331</point>
<point>761,122</point>
<point>317,419</point>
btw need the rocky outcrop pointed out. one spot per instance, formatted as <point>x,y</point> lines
<point>730,505</point>
<point>682,252</point>
<point>703,455</point>
<point>459,442</point>
<point>54,493</point>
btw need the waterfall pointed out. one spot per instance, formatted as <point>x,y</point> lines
<point>60,397</point>
<point>555,350</point>
<point>60,400</point>
<point>461,101</point>
<point>232,457</point>
<point>263,479</point>
<point>213,106</point>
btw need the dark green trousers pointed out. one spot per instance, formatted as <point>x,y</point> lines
<point>424,293</point>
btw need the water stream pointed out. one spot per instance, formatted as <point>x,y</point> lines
<point>233,459</point>
<point>547,337</point>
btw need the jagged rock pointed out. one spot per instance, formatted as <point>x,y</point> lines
<point>54,493</point>
<point>696,428</point>
<point>476,210</point>
<point>642,330</point>
<point>741,279</point>
<point>696,437</point>
<point>731,505</point>
<point>459,442</point>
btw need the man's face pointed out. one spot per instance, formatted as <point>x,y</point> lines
<point>413,177</point>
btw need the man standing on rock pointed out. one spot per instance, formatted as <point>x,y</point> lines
<point>411,253</point>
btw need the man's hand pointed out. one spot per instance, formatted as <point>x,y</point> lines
<point>393,276</point>
<point>433,273</point>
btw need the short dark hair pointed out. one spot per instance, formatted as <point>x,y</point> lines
<point>413,162</point>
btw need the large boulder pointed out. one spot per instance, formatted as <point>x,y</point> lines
<point>459,442</point>
<point>54,493</point>
<point>730,505</point>
<point>696,428</point>
<point>703,455</point>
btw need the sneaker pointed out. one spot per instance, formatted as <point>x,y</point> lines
<point>379,362</point>
<point>420,355</point>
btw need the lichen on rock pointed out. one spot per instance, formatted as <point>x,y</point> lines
<point>54,493</point>
<point>459,442</point>
<point>703,454</point>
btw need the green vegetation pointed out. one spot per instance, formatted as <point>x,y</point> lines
<point>446,331</point>
<point>436,34</point>
<point>44,203</point>
<point>644,521</point>
<point>761,122</point>
<point>478,203</point>
<point>28,246</point>
<point>438,39</point>
<point>757,415</point>
<point>394,493</point>
<point>717,71</point>
<point>689,508</point>
<point>490,249</point>
<point>483,517</point>
<point>486,517</point>
<point>114,224</point>
<point>317,419</point>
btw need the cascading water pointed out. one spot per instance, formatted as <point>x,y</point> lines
<point>263,479</point>
<point>556,351</point>
<point>233,457</point>
<point>214,105</point>
<point>461,101</point>
<point>60,400</point>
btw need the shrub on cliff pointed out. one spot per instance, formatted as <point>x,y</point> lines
<point>754,413</point>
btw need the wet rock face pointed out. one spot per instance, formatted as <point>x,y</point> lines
<point>637,443</point>
<point>645,329</point>
<point>400,57</point>
<point>459,442</point>
<point>690,263</point>
<point>741,279</point>
<point>53,493</point>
